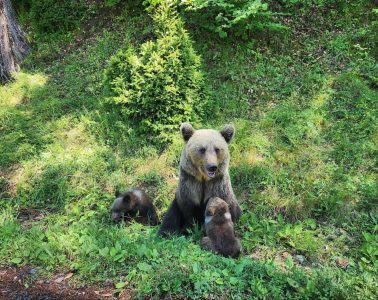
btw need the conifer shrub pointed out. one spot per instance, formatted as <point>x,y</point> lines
<point>160,85</point>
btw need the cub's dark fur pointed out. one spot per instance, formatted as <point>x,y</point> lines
<point>220,229</point>
<point>134,204</point>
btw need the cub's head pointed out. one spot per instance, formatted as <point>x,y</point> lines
<point>123,203</point>
<point>206,150</point>
<point>217,210</point>
<point>216,207</point>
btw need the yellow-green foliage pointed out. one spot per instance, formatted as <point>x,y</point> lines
<point>161,85</point>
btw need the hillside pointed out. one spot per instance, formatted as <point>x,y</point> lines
<point>303,97</point>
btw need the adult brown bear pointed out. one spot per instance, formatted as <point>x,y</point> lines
<point>203,174</point>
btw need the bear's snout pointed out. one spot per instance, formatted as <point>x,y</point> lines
<point>116,217</point>
<point>212,167</point>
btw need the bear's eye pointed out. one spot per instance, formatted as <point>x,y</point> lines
<point>217,150</point>
<point>202,150</point>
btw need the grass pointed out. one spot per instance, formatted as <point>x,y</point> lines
<point>304,166</point>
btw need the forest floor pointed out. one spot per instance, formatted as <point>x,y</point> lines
<point>304,166</point>
<point>21,284</point>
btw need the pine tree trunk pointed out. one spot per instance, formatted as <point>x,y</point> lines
<point>13,46</point>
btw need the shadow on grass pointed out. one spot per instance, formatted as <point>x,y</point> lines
<point>39,110</point>
<point>321,157</point>
<point>159,267</point>
<point>22,132</point>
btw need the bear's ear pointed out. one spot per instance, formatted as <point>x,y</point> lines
<point>117,193</point>
<point>187,131</point>
<point>228,132</point>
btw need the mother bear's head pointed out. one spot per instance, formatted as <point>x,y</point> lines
<point>205,155</point>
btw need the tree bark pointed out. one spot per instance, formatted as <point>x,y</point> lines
<point>13,45</point>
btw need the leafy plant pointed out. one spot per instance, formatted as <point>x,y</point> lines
<point>225,16</point>
<point>299,238</point>
<point>111,3</point>
<point>369,248</point>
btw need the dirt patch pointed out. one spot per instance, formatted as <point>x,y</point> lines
<point>22,284</point>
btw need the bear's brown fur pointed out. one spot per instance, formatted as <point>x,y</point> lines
<point>134,204</point>
<point>203,174</point>
<point>220,230</point>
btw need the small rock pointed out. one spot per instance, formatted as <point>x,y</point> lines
<point>332,237</point>
<point>59,279</point>
<point>255,256</point>
<point>69,275</point>
<point>300,258</point>
<point>33,271</point>
<point>342,262</point>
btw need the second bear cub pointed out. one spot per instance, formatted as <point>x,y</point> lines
<point>220,229</point>
<point>134,204</point>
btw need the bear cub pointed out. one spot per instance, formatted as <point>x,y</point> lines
<point>135,204</point>
<point>220,229</point>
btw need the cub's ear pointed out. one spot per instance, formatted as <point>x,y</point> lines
<point>211,211</point>
<point>126,197</point>
<point>117,193</point>
<point>228,132</point>
<point>187,131</point>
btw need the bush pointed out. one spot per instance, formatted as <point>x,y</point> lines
<point>53,16</point>
<point>162,85</point>
<point>237,16</point>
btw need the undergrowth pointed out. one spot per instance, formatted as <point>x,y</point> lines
<point>304,163</point>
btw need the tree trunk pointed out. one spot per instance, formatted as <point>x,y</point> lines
<point>13,46</point>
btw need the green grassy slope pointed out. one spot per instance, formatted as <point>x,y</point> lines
<point>304,165</point>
